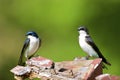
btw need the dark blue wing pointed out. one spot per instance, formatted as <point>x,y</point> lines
<point>26,44</point>
<point>90,42</point>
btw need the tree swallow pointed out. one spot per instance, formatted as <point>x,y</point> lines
<point>87,44</point>
<point>31,45</point>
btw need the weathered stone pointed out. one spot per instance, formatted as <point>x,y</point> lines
<point>79,69</point>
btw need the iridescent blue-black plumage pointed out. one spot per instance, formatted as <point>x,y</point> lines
<point>32,43</point>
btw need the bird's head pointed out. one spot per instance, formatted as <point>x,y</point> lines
<point>83,29</point>
<point>32,33</point>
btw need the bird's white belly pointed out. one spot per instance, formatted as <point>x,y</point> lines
<point>34,45</point>
<point>87,48</point>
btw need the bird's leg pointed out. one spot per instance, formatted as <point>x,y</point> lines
<point>71,71</point>
<point>36,55</point>
<point>53,69</point>
<point>27,58</point>
<point>87,57</point>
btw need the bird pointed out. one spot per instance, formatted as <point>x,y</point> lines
<point>30,47</point>
<point>88,45</point>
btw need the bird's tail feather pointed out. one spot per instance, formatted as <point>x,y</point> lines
<point>103,66</point>
<point>108,63</point>
<point>21,61</point>
<point>105,61</point>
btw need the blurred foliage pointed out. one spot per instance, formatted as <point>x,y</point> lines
<point>56,21</point>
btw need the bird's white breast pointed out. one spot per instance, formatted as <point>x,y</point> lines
<point>86,47</point>
<point>33,45</point>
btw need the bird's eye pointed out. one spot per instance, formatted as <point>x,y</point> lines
<point>82,28</point>
<point>30,34</point>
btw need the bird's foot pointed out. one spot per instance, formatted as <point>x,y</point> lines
<point>87,57</point>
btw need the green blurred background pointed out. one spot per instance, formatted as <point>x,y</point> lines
<point>56,21</point>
